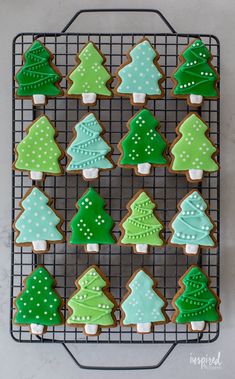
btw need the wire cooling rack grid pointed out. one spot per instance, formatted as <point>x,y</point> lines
<point>117,187</point>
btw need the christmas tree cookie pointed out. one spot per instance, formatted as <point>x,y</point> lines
<point>92,226</point>
<point>89,79</point>
<point>140,227</point>
<point>91,306</point>
<point>38,224</point>
<point>195,303</point>
<point>192,151</point>
<point>38,78</point>
<point>88,152</point>
<point>195,78</point>
<point>38,152</point>
<point>143,146</point>
<point>192,226</point>
<point>140,77</point>
<point>143,305</point>
<point>39,305</point>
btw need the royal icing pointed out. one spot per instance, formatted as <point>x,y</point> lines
<point>88,149</point>
<point>38,151</point>
<point>90,304</point>
<point>39,303</point>
<point>143,304</point>
<point>143,143</point>
<point>90,75</point>
<point>91,224</point>
<point>141,226</point>
<point>142,74</point>
<point>37,76</point>
<point>196,302</point>
<point>37,222</point>
<point>193,150</point>
<point>196,75</point>
<point>192,225</point>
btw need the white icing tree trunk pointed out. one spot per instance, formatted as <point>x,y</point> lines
<point>92,248</point>
<point>90,173</point>
<point>141,248</point>
<point>39,245</point>
<point>139,98</point>
<point>36,175</point>
<point>37,329</point>
<point>195,99</point>
<point>89,98</point>
<point>191,249</point>
<point>39,99</point>
<point>91,329</point>
<point>144,327</point>
<point>144,168</point>
<point>195,174</point>
<point>198,325</point>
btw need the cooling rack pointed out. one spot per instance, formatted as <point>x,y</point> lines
<point>117,187</point>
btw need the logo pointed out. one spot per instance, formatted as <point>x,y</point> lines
<point>207,361</point>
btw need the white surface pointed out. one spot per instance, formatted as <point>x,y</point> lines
<point>39,245</point>
<point>143,327</point>
<point>39,99</point>
<point>90,173</point>
<point>195,174</point>
<point>37,329</point>
<point>191,249</point>
<point>92,248</point>
<point>37,361</point>
<point>141,248</point>
<point>198,325</point>
<point>144,168</point>
<point>89,98</point>
<point>91,329</point>
<point>139,98</point>
<point>36,175</point>
<point>195,99</point>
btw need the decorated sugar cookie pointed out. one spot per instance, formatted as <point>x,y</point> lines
<point>38,152</point>
<point>92,226</point>
<point>38,78</point>
<point>140,227</point>
<point>143,305</point>
<point>39,305</point>
<point>195,78</point>
<point>38,224</point>
<point>195,303</point>
<point>192,227</point>
<point>192,151</point>
<point>91,306</point>
<point>88,152</point>
<point>140,77</point>
<point>89,79</point>
<point>143,146</point>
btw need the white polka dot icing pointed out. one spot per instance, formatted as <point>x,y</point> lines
<point>92,224</point>
<point>193,149</point>
<point>90,75</point>
<point>43,158</point>
<point>34,223</point>
<point>142,74</point>
<point>35,304</point>
<point>143,304</point>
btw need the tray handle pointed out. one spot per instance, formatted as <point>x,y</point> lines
<point>125,10</point>
<point>127,368</point>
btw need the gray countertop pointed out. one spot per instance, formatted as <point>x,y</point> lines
<point>28,361</point>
